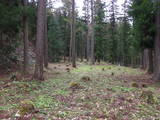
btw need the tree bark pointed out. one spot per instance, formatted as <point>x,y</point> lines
<point>88,43</point>
<point>25,37</point>
<point>150,62</point>
<point>82,45</point>
<point>38,74</point>
<point>87,19</point>
<point>73,42</point>
<point>92,57</point>
<point>156,76</point>
<point>145,59</point>
<point>45,39</point>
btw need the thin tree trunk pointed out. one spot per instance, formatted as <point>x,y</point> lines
<point>25,37</point>
<point>70,47</point>
<point>150,58</point>
<point>82,45</point>
<point>70,44</point>
<point>142,57</point>
<point>92,58</point>
<point>38,74</point>
<point>156,76</point>
<point>45,39</point>
<point>88,43</point>
<point>73,42</point>
<point>87,19</point>
<point>146,59</point>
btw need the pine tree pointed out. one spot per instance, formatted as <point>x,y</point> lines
<point>73,41</point>
<point>45,37</point>
<point>38,73</point>
<point>25,36</point>
<point>113,41</point>
<point>86,9</point>
<point>157,44</point>
<point>92,25</point>
<point>100,40</point>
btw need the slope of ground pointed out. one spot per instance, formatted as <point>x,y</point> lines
<point>100,92</point>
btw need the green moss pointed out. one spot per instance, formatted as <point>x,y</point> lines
<point>45,101</point>
<point>123,89</point>
<point>82,68</point>
<point>135,85</point>
<point>26,106</point>
<point>74,85</point>
<point>62,92</point>
<point>23,85</point>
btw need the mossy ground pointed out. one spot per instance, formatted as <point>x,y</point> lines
<point>109,95</point>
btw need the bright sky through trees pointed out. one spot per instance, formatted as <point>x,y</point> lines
<point>79,4</point>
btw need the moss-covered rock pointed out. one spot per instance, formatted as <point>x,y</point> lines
<point>135,85</point>
<point>23,85</point>
<point>148,96</point>
<point>85,79</point>
<point>75,85</point>
<point>25,107</point>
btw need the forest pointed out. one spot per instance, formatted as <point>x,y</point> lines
<point>80,60</point>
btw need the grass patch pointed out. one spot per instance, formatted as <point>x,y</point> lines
<point>44,101</point>
<point>105,91</point>
<point>122,89</point>
<point>62,92</point>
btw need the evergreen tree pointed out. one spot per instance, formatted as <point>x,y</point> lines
<point>100,40</point>
<point>113,31</point>
<point>38,73</point>
<point>143,20</point>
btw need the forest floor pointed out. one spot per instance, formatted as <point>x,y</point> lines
<point>99,92</point>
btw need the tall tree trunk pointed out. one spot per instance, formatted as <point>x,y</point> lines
<point>25,37</point>
<point>38,73</point>
<point>157,45</point>
<point>146,59</point>
<point>70,43</point>
<point>150,58</point>
<point>82,45</point>
<point>45,38</point>
<point>70,47</point>
<point>87,19</point>
<point>142,61</point>
<point>88,43</point>
<point>73,42</point>
<point>92,58</point>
